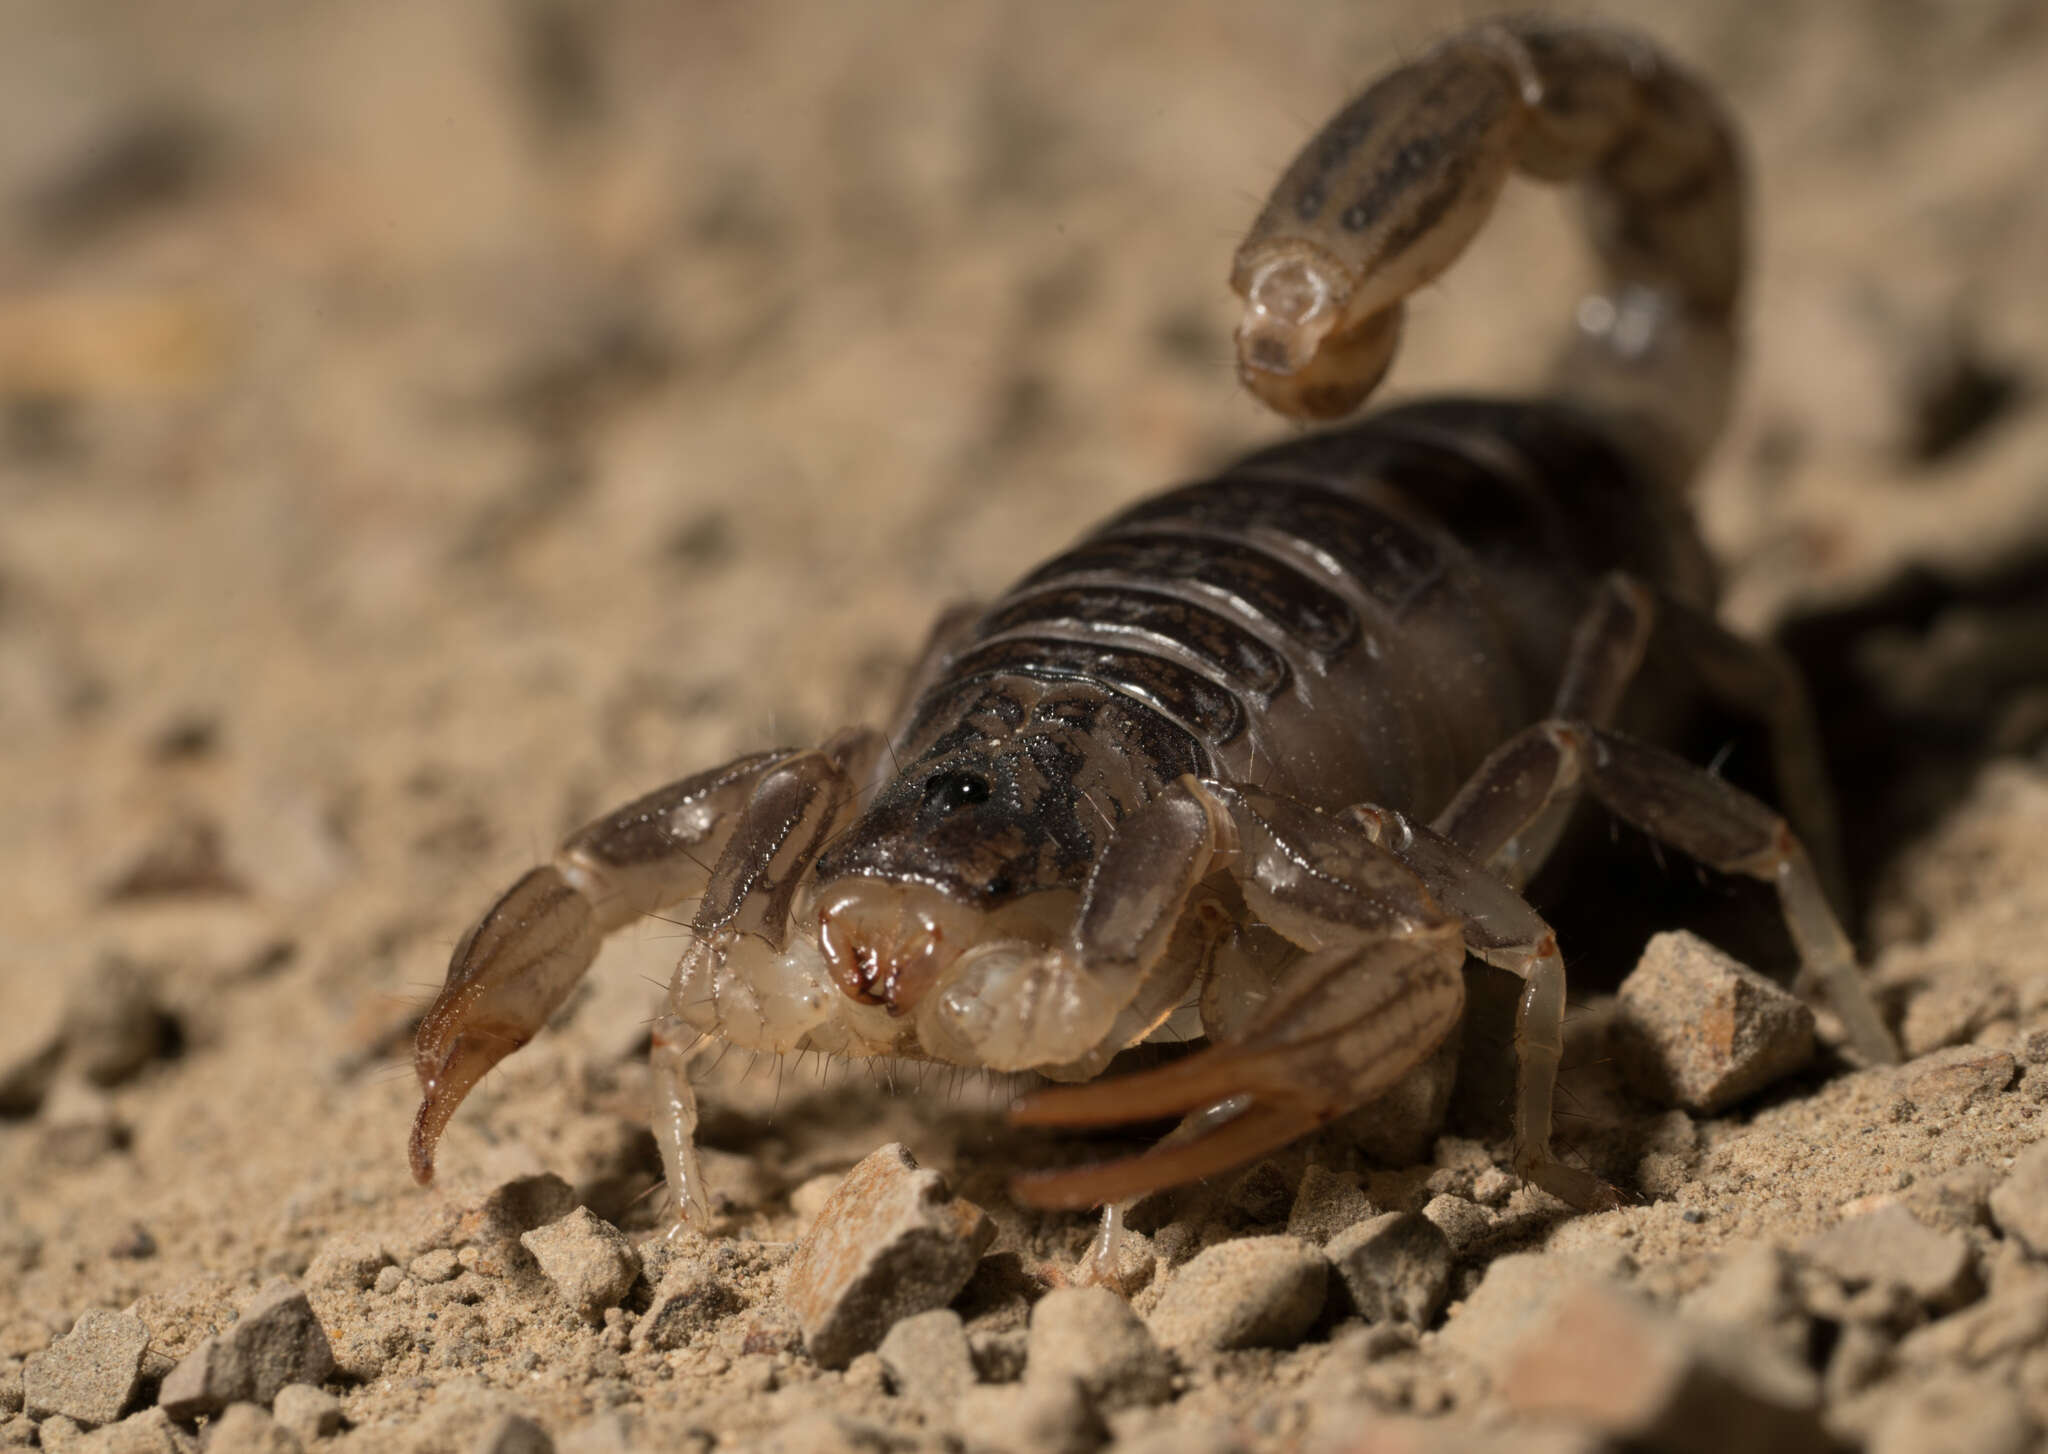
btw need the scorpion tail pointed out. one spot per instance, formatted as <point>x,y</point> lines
<point>1390,191</point>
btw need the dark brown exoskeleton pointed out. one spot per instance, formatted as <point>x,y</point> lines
<point>1268,755</point>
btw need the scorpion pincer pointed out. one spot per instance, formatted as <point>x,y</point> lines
<point>1270,754</point>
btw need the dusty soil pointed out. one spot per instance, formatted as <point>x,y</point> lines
<point>421,427</point>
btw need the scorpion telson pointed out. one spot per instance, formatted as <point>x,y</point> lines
<point>1269,755</point>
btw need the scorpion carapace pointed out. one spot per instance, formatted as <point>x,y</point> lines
<point>1267,756</point>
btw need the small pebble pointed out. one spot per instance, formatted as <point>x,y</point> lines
<point>927,1358</point>
<point>1466,1225</point>
<point>1325,1205</point>
<point>1956,1414</point>
<point>589,1261</point>
<point>243,1428</point>
<point>513,1434</point>
<point>1261,1193</point>
<point>685,1304</point>
<point>1697,1028</point>
<point>10,1387</point>
<point>2020,1204</point>
<point>90,1373</point>
<point>1091,1334</point>
<point>1394,1268</point>
<point>891,1241</point>
<point>1607,1359</point>
<point>276,1341</point>
<point>350,1262</point>
<point>1953,1080</point>
<point>1256,1292</point>
<point>78,1124</point>
<point>148,1432</point>
<point>437,1266</point>
<point>310,1413</point>
<point>31,1041</point>
<point>389,1280</point>
<point>1890,1245</point>
<point>113,1025</point>
<point>1047,1414</point>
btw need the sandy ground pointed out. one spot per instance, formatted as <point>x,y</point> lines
<point>421,427</point>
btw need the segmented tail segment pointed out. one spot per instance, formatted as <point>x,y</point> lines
<point>1392,189</point>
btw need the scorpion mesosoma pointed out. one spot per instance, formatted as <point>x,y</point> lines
<point>1274,752</point>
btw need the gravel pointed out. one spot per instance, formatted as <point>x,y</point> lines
<point>243,1428</point>
<point>1393,1268</point>
<point>276,1341</point>
<point>589,1261</point>
<point>1325,1204</point>
<point>513,1434</point>
<point>1091,1334</point>
<point>310,1413</point>
<point>1045,1414</point>
<point>685,1304</point>
<point>890,1241</point>
<point>349,1262</point>
<point>928,1358</point>
<point>2020,1204</point>
<point>1697,1028</point>
<point>1890,1246</point>
<point>90,1373</point>
<point>1256,1292</point>
<point>1607,1359</point>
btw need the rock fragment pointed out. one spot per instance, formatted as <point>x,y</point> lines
<point>927,1357</point>
<point>589,1261</point>
<point>1891,1246</point>
<point>276,1341</point>
<point>309,1413</point>
<point>148,1432</point>
<point>1606,1359</point>
<point>1325,1204</point>
<point>90,1373</point>
<point>1046,1414</point>
<point>1465,1224</point>
<point>113,1025</point>
<point>78,1124</point>
<point>890,1241</point>
<point>1955,1414</point>
<point>1394,1268</point>
<point>2020,1204</point>
<point>1698,1029</point>
<point>349,1262</point>
<point>686,1304</point>
<point>1092,1335</point>
<point>244,1428</point>
<point>1957,1078</point>
<point>1256,1292</point>
<point>31,1041</point>
<point>513,1434</point>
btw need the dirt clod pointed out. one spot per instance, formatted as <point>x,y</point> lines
<point>1395,1267</point>
<point>589,1261</point>
<point>1256,1292</point>
<point>927,1357</point>
<point>1889,1245</point>
<point>1092,1334</point>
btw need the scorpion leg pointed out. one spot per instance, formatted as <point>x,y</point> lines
<point>1375,993</point>
<point>1504,931</point>
<point>1394,187</point>
<point>1682,805</point>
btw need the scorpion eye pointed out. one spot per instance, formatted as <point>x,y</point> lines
<point>949,790</point>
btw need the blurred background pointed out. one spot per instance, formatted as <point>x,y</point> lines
<point>422,426</point>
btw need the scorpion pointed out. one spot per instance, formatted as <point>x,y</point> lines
<point>1267,756</point>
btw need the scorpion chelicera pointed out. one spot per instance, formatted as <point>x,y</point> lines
<point>1272,753</point>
